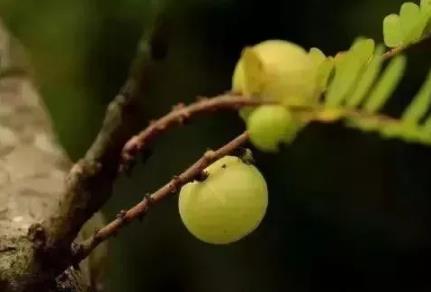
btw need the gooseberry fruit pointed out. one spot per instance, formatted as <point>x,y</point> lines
<point>276,70</point>
<point>271,125</point>
<point>229,204</point>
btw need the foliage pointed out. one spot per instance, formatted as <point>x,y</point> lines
<point>409,26</point>
<point>353,85</point>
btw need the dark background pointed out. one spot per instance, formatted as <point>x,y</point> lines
<point>348,211</point>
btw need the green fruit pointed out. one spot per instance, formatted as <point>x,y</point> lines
<point>271,125</point>
<point>229,204</point>
<point>276,70</point>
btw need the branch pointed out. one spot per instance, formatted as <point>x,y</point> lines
<point>231,101</point>
<point>90,181</point>
<point>178,116</point>
<point>140,209</point>
<point>393,52</point>
<point>420,45</point>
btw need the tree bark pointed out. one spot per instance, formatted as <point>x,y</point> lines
<point>33,169</point>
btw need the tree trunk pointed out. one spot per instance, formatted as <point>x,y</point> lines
<point>33,169</point>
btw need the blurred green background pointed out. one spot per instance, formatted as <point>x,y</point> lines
<point>348,211</point>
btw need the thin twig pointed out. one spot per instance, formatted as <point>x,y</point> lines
<point>179,115</point>
<point>402,49</point>
<point>393,52</point>
<point>124,217</point>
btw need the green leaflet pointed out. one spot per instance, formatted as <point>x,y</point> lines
<point>317,56</point>
<point>420,104</point>
<point>386,85</point>
<point>324,66</point>
<point>392,31</point>
<point>427,126</point>
<point>390,129</point>
<point>426,16</point>
<point>409,26</point>
<point>363,49</point>
<point>347,70</point>
<point>367,79</point>
<point>408,133</point>
<point>411,23</point>
<point>425,5</point>
<point>323,73</point>
<point>367,118</point>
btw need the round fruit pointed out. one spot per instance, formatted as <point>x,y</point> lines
<point>271,125</point>
<point>229,204</point>
<point>276,70</point>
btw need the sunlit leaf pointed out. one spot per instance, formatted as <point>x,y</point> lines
<point>392,31</point>
<point>344,77</point>
<point>386,85</point>
<point>410,19</point>
<point>366,80</point>
<point>420,104</point>
<point>364,49</point>
<point>324,73</point>
<point>317,56</point>
<point>426,15</point>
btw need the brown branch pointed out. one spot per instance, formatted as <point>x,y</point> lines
<point>393,52</point>
<point>180,114</point>
<point>419,46</point>
<point>124,217</point>
<point>90,181</point>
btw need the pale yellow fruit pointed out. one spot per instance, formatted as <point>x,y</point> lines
<point>276,70</point>
<point>226,206</point>
<point>271,125</point>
